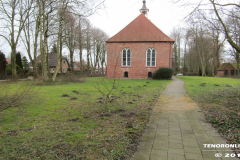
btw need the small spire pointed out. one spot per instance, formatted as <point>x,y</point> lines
<point>144,9</point>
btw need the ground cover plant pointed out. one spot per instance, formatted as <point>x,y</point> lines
<point>219,99</point>
<point>75,121</point>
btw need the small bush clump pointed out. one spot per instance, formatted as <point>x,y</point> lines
<point>163,73</point>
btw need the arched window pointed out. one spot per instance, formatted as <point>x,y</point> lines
<point>151,57</point>
<point>149,74</point>
<point>126,74</point>
<point>126,57</point>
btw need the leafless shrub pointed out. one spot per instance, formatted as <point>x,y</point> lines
<point>106,91</point>
<point>12,96</point>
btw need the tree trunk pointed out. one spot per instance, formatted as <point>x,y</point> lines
<point>13,45</point>
<point>58,47</point>
<point>88,65</point>
<point>13,61</point>
<point>81,65</point>
<point>43,42</point>
<point>61,46</point>
<point>35,69</point>
<point>71,59</point>
<point>45,55</point>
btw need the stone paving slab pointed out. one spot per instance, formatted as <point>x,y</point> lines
<point>177,130</point>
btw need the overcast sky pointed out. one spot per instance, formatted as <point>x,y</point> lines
<point>119,13</point>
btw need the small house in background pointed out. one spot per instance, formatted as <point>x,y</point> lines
<point>52,62</point>
<point>227,69</point>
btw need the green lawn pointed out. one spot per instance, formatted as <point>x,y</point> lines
<point>45,125</point>
<point>193,83</point>
<point>219,99</point>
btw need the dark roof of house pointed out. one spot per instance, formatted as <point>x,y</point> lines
<point>52,59</point>
<point>224,65</point>
<point>141,29</point>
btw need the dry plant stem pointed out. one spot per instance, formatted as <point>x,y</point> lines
<point>104,84</point>
<point>17,97</point>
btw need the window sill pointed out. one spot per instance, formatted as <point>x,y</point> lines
<point>150,66</point>
<point>126,66</point>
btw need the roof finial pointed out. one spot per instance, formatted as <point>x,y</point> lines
<point>144,9</point>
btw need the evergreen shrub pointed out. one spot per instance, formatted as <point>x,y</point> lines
<point>3,63</point>
<point>163,73</point>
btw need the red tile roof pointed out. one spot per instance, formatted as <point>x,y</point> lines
<point>141,29</point>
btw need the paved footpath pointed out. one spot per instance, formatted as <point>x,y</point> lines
<point>177,130</point>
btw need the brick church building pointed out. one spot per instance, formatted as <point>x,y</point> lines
<point>138,50</point>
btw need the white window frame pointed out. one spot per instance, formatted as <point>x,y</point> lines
<point>151,57</point>
<point>127,57</point>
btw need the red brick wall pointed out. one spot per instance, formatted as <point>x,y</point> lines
<point>220,73</point>
<point>77,64</point>
<point>64,66</point>
<point>138,68</point>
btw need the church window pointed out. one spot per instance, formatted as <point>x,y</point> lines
<point>151,57</point>
<point>126,57</point>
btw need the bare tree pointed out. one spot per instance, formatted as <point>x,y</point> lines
<point>223,11</point>
<point>80,41</point>
<point>186,40</point>
<point>78,7</point>
<point>202,42</point>
<point>88,44</point>
<point>177,36</point>
<point>99,48</point>
<point>70,35</point>
<point>103,51</point>
<point>45,9</point>
<point>14,14</point>
<point>219,7</point>
<point>31,34</point>
<point>61,7</point>
<point>234,28</point>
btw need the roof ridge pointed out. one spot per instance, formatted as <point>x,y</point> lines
<point>140,29</point>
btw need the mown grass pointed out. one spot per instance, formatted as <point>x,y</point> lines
<point>49,126</point>
<point>192,83</point>
<point>219,99</point>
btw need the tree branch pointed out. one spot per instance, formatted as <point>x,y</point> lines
<point>229,39</point>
